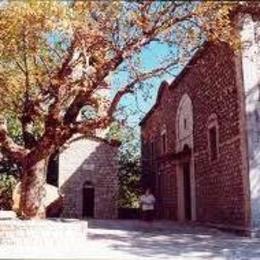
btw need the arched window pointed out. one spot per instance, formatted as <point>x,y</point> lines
<point>213,137</point>
<point>163,140</point>
<point>184,124</point>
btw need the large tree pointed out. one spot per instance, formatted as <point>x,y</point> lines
<point>56,58</point>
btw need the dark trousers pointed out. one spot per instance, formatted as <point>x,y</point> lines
<point>148,215</point>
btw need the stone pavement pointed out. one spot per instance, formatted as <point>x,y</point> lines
<point>133,240</point>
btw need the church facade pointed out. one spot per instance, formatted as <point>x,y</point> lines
<point>201,139</point>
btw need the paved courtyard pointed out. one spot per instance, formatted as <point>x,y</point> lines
<point>135,240</point>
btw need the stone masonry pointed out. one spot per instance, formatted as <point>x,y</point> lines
<point>211,85</point>
<point>95,163</point>
<point>215,85</point>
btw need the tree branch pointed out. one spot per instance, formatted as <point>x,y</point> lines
<point>8,146</point>
<point>130,48</point>
<point>106,120</point>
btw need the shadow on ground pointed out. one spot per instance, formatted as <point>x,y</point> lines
<point>169,240</point>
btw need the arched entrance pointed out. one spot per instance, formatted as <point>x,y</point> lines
<point>185,162</point>
<point>88,200</point>
<point>185,178</point>
<point>187,190</point>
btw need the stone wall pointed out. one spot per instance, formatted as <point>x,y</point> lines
<point>210,82</point>
<point>95,162</point>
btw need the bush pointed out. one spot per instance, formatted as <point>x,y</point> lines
<point>129,166</point>
<point>7,184</point>
<point>129,183</point>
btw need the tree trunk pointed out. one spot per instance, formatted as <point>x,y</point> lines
<point>33,191</point>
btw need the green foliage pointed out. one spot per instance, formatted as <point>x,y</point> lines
<point>14,127</point>
<point>7,184</point>
<point>129,164</point>
<point>129,180</point>
<point>129,138</point>
<point>88,112</point>
<point>15,131</point>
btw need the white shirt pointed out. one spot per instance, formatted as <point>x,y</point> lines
<point>147,202</point>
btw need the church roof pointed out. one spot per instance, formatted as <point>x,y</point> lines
<point>176,80</point>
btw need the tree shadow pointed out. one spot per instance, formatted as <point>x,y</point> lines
<point>93,162</point>
<point>178,241</point>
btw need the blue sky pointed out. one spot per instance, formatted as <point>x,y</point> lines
<point>142,101</point>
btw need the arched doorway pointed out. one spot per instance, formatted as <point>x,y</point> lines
<point>184,184</point>
<point>186,189</point>
<point>88,200</point>
<point>185,163</point>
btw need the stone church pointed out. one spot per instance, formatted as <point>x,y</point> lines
<point>86,174</point>
<point>201,139</point>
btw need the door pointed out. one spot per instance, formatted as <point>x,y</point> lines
<point>187,190</point>
<point>88,201</point>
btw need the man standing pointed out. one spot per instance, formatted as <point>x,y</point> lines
<point>147,202</point>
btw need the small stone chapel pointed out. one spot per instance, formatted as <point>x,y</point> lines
<point>86,175</point>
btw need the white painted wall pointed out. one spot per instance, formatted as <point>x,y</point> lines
<point>250,35</point>
<point>73,158</point>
